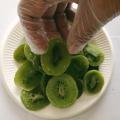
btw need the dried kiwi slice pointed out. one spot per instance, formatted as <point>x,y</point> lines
<point>80,87</point>
<point>34,100</point>
<point>93,81</point>
<point>27,77</point>
<point>78,67</point>
<point>57,59</point>
<point>37,63</point>
<point>81,53</point>
<point>62,91</point>
<point>43,83</point>
<point>35,59</point>
<point>94,54</point>
<point>19,54</point>
<point>28,53</point>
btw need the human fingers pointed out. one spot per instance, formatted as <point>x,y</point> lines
<point>33,17</point>
<point>91,16</point>
<point>61,20</point>
<point>63,15</point>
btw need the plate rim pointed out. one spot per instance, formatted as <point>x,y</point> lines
<point>5,38</point>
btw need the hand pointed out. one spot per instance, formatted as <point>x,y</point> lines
<point>91,16</point>
<point>45,19</point>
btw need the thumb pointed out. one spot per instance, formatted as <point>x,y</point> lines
<point>90,17</point>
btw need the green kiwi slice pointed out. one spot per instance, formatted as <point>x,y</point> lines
<point>94,54</point>
<point>62,91</point>
<point>35,59</point>
<point>78,67</point>
<point>37,63</point>
<point>43,83</point>
<point>19,54</point>
<point>80,87</point>
<point>34,100</point>
<point>93,81</point>
<point>57,59</point>
<point>28,53</point>
<point>27,77</point>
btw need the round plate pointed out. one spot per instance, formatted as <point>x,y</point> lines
<point>15,37</point>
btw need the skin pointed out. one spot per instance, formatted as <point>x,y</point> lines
<point>45,19</point>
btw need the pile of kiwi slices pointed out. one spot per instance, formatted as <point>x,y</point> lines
<point>57,77</point>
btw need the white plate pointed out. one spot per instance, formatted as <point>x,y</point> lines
<point>9,67</point>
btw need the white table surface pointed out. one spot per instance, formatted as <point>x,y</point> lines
<point>108,108</point>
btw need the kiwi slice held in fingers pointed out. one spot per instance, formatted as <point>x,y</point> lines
<point>62,91</point>
<point>57,59</point>
<point>93,81</point>
<point>78,67</point>
<point>94,54</point>
<point>27,77</point>
<point>19,54</point>
<point>34,99</point>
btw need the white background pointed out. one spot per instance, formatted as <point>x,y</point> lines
<point>108,108</point>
